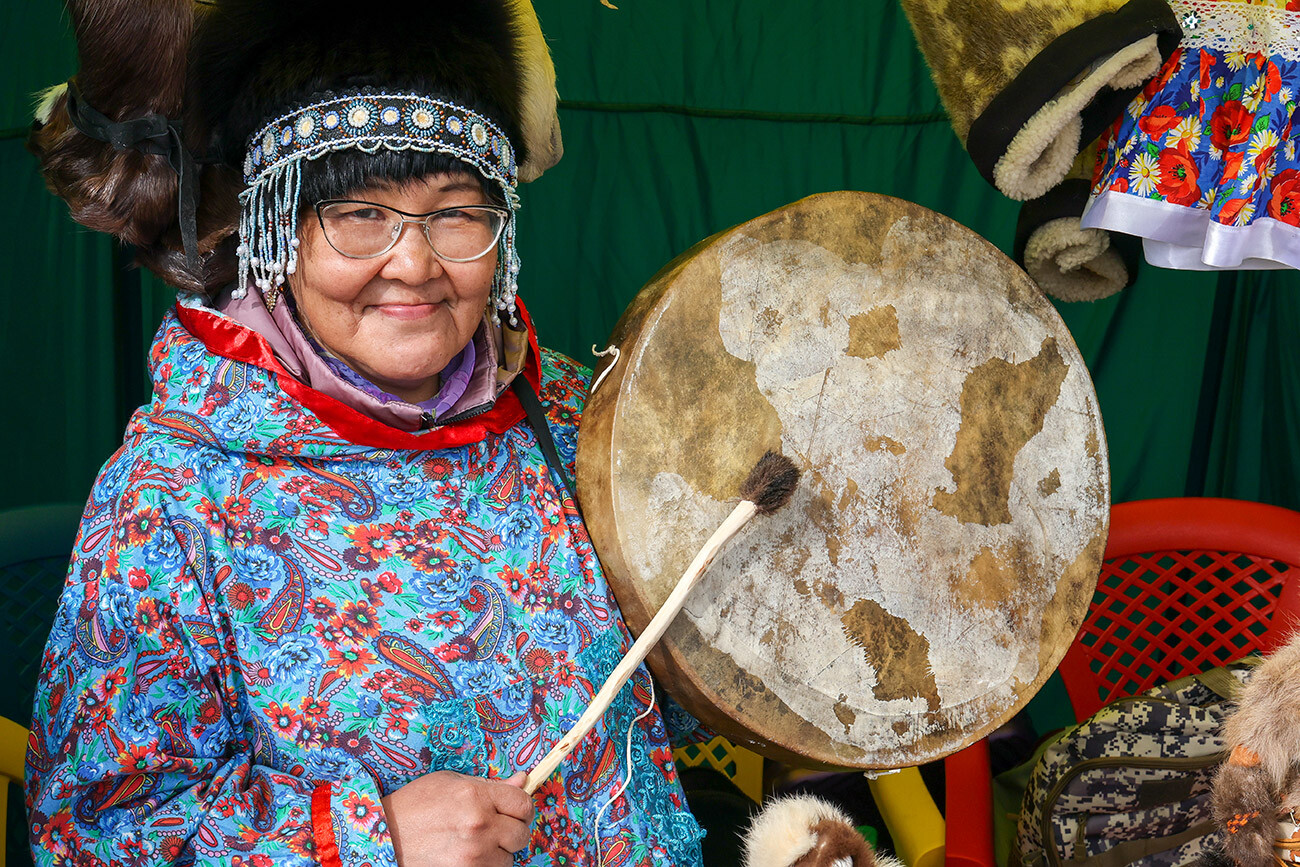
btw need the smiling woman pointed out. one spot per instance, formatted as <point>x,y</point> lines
<point>382,299</point>
<point>332,597</point>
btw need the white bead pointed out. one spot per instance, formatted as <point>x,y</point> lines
<point>294,243</point>
<point>292,269</point>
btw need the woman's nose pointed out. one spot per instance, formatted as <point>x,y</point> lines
<point>412,260</point>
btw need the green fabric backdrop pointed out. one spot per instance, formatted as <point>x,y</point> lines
<point>680,119</point>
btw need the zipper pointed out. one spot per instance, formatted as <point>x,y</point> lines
<point>426,419</point>
<point>1185,763</point>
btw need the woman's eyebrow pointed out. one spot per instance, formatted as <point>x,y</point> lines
<point>459,186</point>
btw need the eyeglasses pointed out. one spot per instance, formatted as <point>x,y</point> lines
<point>364,230</point>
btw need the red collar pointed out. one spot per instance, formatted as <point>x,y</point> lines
<point>230,339</point>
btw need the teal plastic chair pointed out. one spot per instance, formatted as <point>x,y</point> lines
<point>35,547</point>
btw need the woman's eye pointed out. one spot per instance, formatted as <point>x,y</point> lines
<point>460,217</point>
<point>360,213</point>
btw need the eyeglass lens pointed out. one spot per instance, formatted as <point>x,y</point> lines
<point>363,230</point>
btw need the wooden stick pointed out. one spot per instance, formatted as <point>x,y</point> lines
<point>649,638</point>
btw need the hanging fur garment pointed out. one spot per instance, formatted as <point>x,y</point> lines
<point>1026,84</point>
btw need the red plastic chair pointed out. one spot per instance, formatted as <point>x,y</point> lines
<point>1187,584</point>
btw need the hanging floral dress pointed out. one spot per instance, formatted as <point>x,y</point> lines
<point>1203,164</point>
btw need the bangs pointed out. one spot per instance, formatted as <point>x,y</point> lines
<point>341,174</point>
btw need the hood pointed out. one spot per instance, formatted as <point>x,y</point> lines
<point>220,383</point>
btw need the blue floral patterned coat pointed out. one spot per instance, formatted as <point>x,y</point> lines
<point>268,625</point>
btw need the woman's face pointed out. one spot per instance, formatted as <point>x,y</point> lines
<point>397,319</point>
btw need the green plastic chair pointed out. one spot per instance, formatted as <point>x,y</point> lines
<point>35,547</point>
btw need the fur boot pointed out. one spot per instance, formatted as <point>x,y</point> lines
<point>1017,76</point>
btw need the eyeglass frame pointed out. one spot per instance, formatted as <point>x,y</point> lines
<point>407,217</point>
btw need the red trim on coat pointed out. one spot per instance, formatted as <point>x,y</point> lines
<point>322,827</point>
<point>229,339</point>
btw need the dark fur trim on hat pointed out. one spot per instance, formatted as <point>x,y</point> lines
<point>132,56</point>
<point>254,60</point>
<point>1245,807</point>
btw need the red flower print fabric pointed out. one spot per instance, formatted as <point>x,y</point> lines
<point>1202,165</point>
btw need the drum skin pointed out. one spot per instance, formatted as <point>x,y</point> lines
<point>945,538</point>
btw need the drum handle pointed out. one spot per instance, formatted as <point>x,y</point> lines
<point>609,350</point>
<point>649,638</point>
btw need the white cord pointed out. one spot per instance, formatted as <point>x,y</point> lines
<point>609,350</point>
<point>627,779</point>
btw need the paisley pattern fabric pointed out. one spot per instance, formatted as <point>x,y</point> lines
<point>1203,165</point>
<point>266,628</point>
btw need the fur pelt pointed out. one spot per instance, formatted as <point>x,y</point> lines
<point>1261,780</point>
<point>253,60</point>
<point>132,62</point>
<point>805,831</point>
<point>1245,806</point>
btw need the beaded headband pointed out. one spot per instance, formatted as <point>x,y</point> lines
<point>268,223</point>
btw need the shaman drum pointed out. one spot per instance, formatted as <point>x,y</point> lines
<point>945,538</point>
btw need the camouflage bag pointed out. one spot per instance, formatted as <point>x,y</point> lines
<point>1131,785</point>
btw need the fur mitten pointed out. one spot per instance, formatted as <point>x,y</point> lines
<point>804,831</point>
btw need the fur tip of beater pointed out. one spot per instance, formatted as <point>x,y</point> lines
<point>771,482</point>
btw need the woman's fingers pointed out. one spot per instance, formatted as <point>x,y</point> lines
<point>514,835</point>
<point>510,800</point>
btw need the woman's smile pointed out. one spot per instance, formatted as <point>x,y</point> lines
<point>408,311</point>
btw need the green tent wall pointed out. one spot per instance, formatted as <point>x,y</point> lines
<point>680,119</point>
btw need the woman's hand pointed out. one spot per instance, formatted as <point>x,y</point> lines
<point>445,818</point>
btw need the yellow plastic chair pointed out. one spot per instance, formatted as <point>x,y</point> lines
<point>13,750</point>
<point>741,766</point>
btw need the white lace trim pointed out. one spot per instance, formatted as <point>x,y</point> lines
<point>1231,25</point>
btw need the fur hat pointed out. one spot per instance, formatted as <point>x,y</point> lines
<point>253,60</point>
<point>217,70</point>
<point>132,62</point>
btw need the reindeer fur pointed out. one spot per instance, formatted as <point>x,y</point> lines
<point>805,831</point>
<point>1261,780</point>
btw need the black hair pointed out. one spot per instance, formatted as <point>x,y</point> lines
<point>343,173</point>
